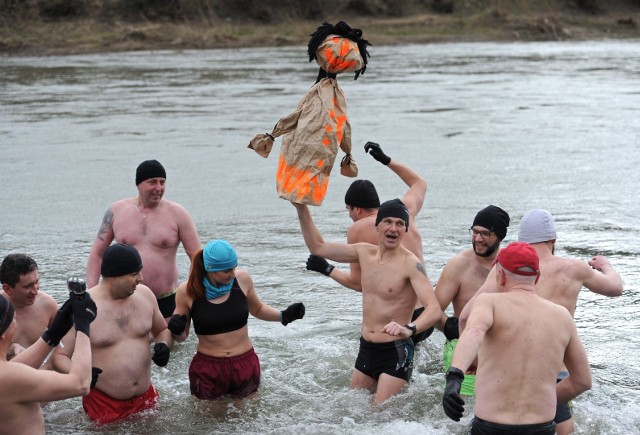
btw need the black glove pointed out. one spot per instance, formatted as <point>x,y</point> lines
<point>84,311</point>
<point>451,328</point>
<point>61,324</point>
<point>161,354</point>
<point>376,152</point>
<point>451,401</point>
<point>177,324</point>
<point>95,372</point>
<point>319,264</point>
<point>293,312</point>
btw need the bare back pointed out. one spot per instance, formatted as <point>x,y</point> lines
<point>561,280</point>
<point>516,383</point>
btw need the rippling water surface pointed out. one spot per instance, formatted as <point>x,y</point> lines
<point>550,125</point>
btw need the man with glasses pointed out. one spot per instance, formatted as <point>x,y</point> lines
<point>561,280</point>
<point>463,275</point>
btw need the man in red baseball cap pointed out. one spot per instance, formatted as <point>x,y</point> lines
<point>521,342</point>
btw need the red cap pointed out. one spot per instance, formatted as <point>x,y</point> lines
<point>519,255</point>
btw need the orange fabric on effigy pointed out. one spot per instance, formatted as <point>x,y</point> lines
<point>312,134</point>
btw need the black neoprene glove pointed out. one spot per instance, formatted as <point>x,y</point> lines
<point>376,152</point>
<point>95,372</point>
<point>451,401</point>
<point>451,328</point>
<point>177,324</point>
<point>161,353</point>
<point>84,311</point>
<point>293,312</point>
<point>319,264</point>
<point>61,324</point>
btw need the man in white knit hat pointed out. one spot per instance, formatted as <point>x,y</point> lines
<point>561,280</point>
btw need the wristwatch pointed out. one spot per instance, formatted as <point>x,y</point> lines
<point>411,326</point>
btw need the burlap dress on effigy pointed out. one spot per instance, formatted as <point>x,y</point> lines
<point>315,130</point>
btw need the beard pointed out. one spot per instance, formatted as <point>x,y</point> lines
<point>491,249</point>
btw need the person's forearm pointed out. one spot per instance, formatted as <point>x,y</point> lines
<point>311,235</point>
<point>466,349</point>
<point>346,279</point>
<point>406,174</point>
<point>81,362</point>
<point>93,271</point>
<point>429,317</point>
<point>34,355</point>
<point>164,336</point>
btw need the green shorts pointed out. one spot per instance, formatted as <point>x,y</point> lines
<point>469,384</point>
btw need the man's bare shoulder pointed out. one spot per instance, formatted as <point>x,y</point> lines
<point>363,230</point>
<point>461,261</point>
<point>145,292</point>
<point>173,206</point>
<point>47,301</point>
<point>572,268</point>
<point>122,203</point>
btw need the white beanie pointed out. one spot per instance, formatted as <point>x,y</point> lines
<point>537,226</point>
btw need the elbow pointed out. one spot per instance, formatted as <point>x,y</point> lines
<point>581,387</point>
<point>85,388</point>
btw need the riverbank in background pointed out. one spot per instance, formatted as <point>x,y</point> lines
<point>75,27</point>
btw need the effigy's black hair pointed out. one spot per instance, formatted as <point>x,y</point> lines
<point>340,29</point>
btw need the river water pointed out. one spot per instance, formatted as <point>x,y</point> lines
<point>521,125</point>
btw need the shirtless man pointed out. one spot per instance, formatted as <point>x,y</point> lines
<point>34,309</point>
<point>155,227</point>
<point>362,202</point>
<point>516,389</point>
<point>463,275</point>
<point>561,280</point>
<point>24,387</point>
<point>127,314</point>
<point>393,279</point>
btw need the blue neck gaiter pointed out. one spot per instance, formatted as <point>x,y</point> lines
<point>213,292</point>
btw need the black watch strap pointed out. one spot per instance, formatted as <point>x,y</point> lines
<point>412,326</point>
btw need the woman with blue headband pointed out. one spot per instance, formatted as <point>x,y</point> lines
<point>218,298</point>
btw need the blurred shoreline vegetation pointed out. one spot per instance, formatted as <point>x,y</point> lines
<point>52,27</point>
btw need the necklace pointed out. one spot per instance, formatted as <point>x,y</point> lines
<point>147,214</point>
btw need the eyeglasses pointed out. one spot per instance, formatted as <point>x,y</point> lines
<point>484,234</point>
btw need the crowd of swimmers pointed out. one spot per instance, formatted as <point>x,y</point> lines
<point>510,336</point>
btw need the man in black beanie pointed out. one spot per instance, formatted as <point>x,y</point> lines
<point>362,202</point>
<point>155,227</point>
<point>128,314</point>
<point>393,281</point>
<point>463,275</point>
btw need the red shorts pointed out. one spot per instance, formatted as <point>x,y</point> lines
<point>211,377</point>
<point>105,409</point>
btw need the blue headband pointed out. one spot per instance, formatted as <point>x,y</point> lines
<point>219,255</point>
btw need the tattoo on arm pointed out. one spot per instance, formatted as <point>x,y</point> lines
<point>421,268</point>
<point>107,221</point>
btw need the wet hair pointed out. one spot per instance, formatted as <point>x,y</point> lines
<point>15,265</point>
<point>197,273</point>
<point>6,314</point>
<point>340,29</point>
